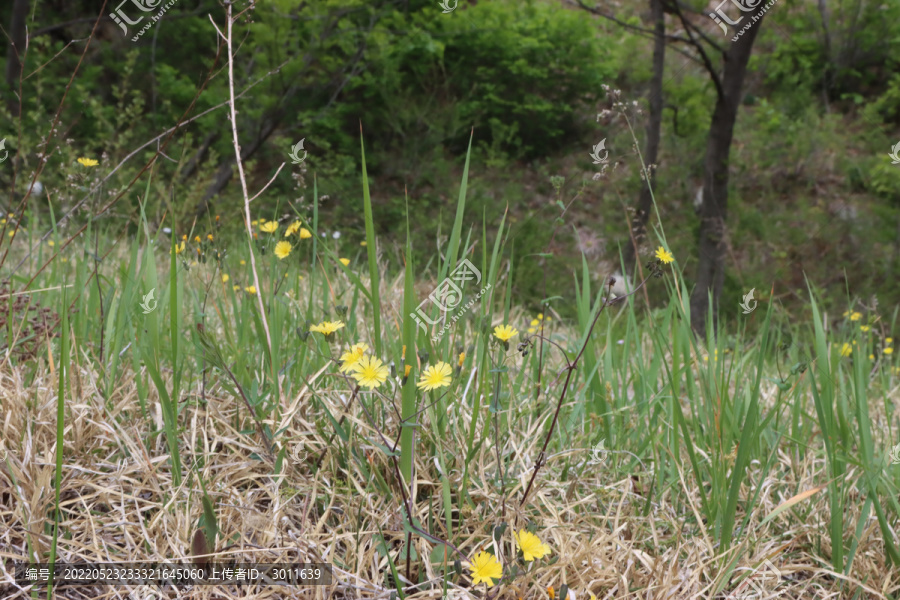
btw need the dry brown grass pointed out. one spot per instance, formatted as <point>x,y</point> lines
<point>118,504</point>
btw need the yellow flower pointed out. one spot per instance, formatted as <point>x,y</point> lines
<point>197,238</point>
<point>225,277</point>
<point>269,227</point>
<point>531,330</point>
<point>209,236</point>
<point>292,228</point>
<point>540,316</point>
<point>363,243</point>
<point>236,287</point>
<point>485,568</point>
<point>370,372</point>
<point>304,233</point>
<point>871,357</point>
<point>462,357</point>
<point>406,370</point>
<point>51,243</point>
<point>282,249</point>
<point>504,332</point>
<point>550,592</point>
<point>888,340</point>
<point>435,376</point>
<point>887,350</point>
<point>864,328</point>
<point>254,222</point>
<point>87,162</point>
<point>534,323</point>
<point>179,248</point>
<point>243,262</point>
<point>855,316</point>
<point>664,255</point>
<point>352,356</point>
<point>345,261</point>
<point>250,289</point>
<point>327,327</point>
<point>846,350</point>
<point>531,545</point>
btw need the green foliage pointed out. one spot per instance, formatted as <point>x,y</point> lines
<point>545,64</point>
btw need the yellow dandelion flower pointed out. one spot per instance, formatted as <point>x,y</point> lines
<point>179,248</point>
<point>236,287</point>
<point>197,238</point>
<point>363,243</point>
<point>532,330</point>
<point>327,327</point>
<point>352,356</point>
<point>304,233</point>
<point>370,372</point>
<point>254,222</point>
<point>292,228</point>
<point>855,316</point>
<point>406,370</point>
<point>846,350</point>
<point>485,569</point>
<point>403,353</point>
<point>435,376</point>
<point>887,350</point>
<point>243,262</point>
<point>551,592</point>
<point>87,162</point>
<point>225,277</point>
<point>504,332</point>
<point>2,221</point>
<point>250,289</point>
<point>282,249</point>
<point>664,255</point>
<point>51,243</point>
<point>345,261</point>
<point>269,227</point>
<point>12,233</point>
<point>534,323</point>
<point>209,236</point>
<point>531,545</point>
<point>871,357</point>
<point>864,328</point>
<point>888,340</point>
<point>462,358</point>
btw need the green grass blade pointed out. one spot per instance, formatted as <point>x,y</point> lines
<point>371,248</point>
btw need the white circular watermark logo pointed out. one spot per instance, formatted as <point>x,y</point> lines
<point>146,305</point>
<point>745,305</point>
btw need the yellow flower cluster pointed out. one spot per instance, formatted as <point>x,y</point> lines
<point>534,325</point>
<point>485,567</point>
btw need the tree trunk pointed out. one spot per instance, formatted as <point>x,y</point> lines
<point>713,212</point>
<point>14,52</point>
<point>651,152</point>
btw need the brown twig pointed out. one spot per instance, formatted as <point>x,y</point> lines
<point>570,368</point>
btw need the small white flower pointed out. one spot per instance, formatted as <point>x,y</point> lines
<point>336,235</point>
